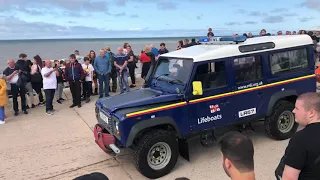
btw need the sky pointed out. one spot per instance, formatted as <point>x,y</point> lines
<point>42,19</point>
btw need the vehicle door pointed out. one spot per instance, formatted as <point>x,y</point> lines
<point>247,75</point>
<point>210,109</point>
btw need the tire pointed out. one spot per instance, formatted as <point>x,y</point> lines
<point>165,141</point>
<point>287,127</point>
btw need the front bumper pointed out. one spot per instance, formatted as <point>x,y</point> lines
<point>105,140</point>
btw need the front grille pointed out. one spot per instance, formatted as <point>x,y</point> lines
<point>109,126</point>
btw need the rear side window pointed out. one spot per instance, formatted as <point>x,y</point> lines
<point>248,68</point>
<point>288,61</point>
<point>212,75</point>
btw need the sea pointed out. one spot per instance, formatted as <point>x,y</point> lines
<point>62,48</point>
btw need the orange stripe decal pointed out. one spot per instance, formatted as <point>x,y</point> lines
<point>175,105</point>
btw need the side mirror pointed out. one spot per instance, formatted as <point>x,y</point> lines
<point>197,88</point>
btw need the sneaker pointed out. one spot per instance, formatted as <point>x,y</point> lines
<point>132,86</point>
<point>33,106</point>
<point>79,105</point>
<point>58,101</point>
<point>27,107</point>
<point>41,103</point>
<point>83,99</point>
<point>49,113</point>
<point>61,99</point>
<point>2,122</point>
<point>54,111</point>
<point>16,113</point>
<point>25,112</point>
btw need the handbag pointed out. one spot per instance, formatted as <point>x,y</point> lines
<point>37,77</point>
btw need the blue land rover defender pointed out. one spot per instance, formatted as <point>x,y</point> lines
<point>199,89</point>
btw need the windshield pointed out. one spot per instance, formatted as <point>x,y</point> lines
<point>173,70</point>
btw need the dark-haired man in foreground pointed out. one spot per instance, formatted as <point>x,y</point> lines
<point>237,150</point>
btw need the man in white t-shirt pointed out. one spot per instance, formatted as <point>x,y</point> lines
<point>87,83</point>
<point>49,76</point>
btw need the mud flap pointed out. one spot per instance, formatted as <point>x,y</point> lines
<point>184,149</point>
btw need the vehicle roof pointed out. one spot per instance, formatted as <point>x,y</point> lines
<point>204,52</point>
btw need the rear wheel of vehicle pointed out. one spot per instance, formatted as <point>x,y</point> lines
<point>281,124</point>
<point>156,153</point>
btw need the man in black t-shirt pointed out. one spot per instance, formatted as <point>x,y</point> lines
<point>302,156</point>
<point>24,66</point>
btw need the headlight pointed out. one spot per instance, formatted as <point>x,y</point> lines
<point>116,126</point>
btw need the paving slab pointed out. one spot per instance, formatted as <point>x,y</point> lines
<point>38,146</point>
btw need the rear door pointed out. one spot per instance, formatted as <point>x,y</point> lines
<point>212,108</point>
<point>247,75</point>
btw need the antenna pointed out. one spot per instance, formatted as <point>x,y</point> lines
<point>223,40</point>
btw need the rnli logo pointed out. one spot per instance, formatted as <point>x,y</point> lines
<point>214,108</point>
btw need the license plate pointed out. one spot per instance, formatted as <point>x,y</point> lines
<point>104,117</point>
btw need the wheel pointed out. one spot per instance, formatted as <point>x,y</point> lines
<point>281,124</point>
<point>156,153</point>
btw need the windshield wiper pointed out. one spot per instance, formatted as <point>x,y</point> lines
<point>161,75</point>
<point>176,81</point>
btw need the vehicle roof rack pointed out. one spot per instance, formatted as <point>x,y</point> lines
<point>223,40</point>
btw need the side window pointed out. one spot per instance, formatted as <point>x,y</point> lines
<point>248,68</point>
<point>212,75</point>
<point>288,61</point>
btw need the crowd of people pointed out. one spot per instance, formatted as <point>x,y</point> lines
<point>91,75</point>
<point>85,75</point>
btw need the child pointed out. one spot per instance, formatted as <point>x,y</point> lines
<point>60,82</point>
<point>87,83</point>
<point>3,98</point>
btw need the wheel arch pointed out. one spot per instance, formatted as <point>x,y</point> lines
<point>159,122</point>
<point>288,95</point>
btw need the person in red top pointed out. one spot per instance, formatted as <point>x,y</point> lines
<point>146,61</point>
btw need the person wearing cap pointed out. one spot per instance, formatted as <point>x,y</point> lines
<point>113,74</point>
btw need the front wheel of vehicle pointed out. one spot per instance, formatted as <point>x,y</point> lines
<point>156,153</point>
<point>281,124</point>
